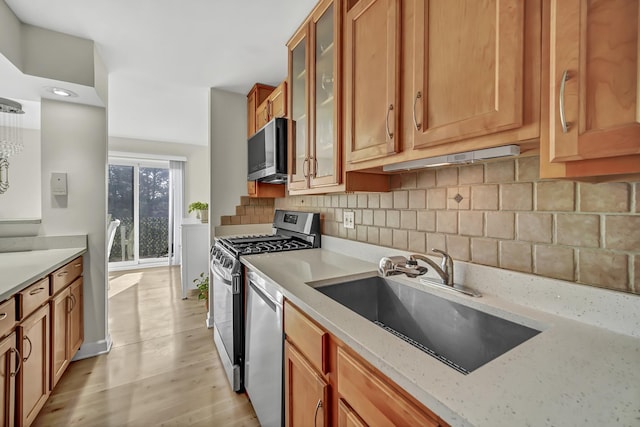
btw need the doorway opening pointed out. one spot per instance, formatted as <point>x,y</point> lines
<point>139,197</point>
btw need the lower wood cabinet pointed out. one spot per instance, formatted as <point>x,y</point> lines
<point>8,371</point>
<point>66,328</point>
<point>34,344</point>
<point>41,329</point>
<point>373,399</point>
<point>306,392</point>
<point>347,417</point>
<point>326,383</point>
<point>76,317</point>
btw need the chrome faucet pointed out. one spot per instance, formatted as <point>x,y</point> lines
<point>445,270</point>
<point>389,266</point>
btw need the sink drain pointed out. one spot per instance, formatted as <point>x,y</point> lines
<point>422,347</point>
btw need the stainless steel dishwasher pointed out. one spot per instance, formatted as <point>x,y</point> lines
<point>264,350</point>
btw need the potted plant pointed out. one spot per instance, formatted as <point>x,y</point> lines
<point>202,210</point>
<point>202,283</point>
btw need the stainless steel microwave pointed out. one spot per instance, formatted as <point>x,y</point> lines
<point>267,153</point>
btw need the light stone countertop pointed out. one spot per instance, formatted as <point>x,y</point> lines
<point>21,269</point>
<point>571,374</point>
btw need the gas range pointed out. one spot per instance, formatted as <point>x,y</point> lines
<point>259,244</point>
<point>291,231</point>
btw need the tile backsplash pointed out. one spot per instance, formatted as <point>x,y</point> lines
<point>499,214</point>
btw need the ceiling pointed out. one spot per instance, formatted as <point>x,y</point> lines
<point>162,56</point>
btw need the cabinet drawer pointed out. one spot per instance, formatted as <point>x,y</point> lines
<point>376,401</point>
<point>33,297</point>
<point>7,316</point>
<point>310,339</point>
<point>65,275</point>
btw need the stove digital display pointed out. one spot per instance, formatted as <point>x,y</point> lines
<point>290,218</point>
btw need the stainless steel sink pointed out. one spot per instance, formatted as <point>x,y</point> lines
<point>460,336</point>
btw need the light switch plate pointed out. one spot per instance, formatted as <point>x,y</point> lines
<point>349,219</point>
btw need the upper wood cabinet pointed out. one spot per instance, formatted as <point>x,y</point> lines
<point>372,79</point>
<point>314,100</point>
<point>591,125</point>
<point>467,73</point>
<point>264,103</point>
<point>278,101</point>
<point>273,106</point>
<point>255,98</point>
<point>467,77</point>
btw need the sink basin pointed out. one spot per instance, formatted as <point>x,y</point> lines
<point>460,336</point>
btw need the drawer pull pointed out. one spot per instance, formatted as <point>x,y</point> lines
<point>19,359</point>
<point>3,316</point>
<point>30,348</point>
<point>62,273</point>
<point>77,265</point>
<point>36,291</point>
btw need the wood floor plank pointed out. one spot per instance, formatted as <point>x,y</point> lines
<point>163,369</point>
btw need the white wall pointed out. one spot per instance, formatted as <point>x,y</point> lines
<point>22,199</point>
<point>196,186</point>
<point>228,146</point>
<point>74,140</point>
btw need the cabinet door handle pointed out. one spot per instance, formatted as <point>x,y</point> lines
<point>415,120</point>
<point>62,273</point>
<point>70,305</point>
<point>36,291</point>
<point>3,316</point>
<point>74,301</point>
<point>563,121</point>
<point>315,167</point>
<point>305,171</point>
<point>30,348</point>
<point>315,415</point>
<point>19,358</point>
<point>389,133</point>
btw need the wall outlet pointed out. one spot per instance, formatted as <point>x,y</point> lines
<point>349,219</point>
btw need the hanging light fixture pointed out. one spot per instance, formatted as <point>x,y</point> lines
<point>10,137</point>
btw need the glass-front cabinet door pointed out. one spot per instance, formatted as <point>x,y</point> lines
<point>314,156</point>
<point>299,111</point>
<point>325,157</point>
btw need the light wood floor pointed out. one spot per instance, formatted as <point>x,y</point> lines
<point>163,368</point>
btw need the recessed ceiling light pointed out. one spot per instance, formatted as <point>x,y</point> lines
<point>66,93</point>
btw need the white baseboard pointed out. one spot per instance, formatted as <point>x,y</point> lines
<point>92,349</point>
<point>209,320</point>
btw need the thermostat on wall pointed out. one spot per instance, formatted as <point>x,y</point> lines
<point>59,183</point>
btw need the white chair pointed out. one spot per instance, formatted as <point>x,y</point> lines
<point>111,233</point>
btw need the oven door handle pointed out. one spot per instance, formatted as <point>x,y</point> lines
<point>219,273</point>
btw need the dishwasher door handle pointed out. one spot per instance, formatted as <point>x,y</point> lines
<point>269,300</point>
